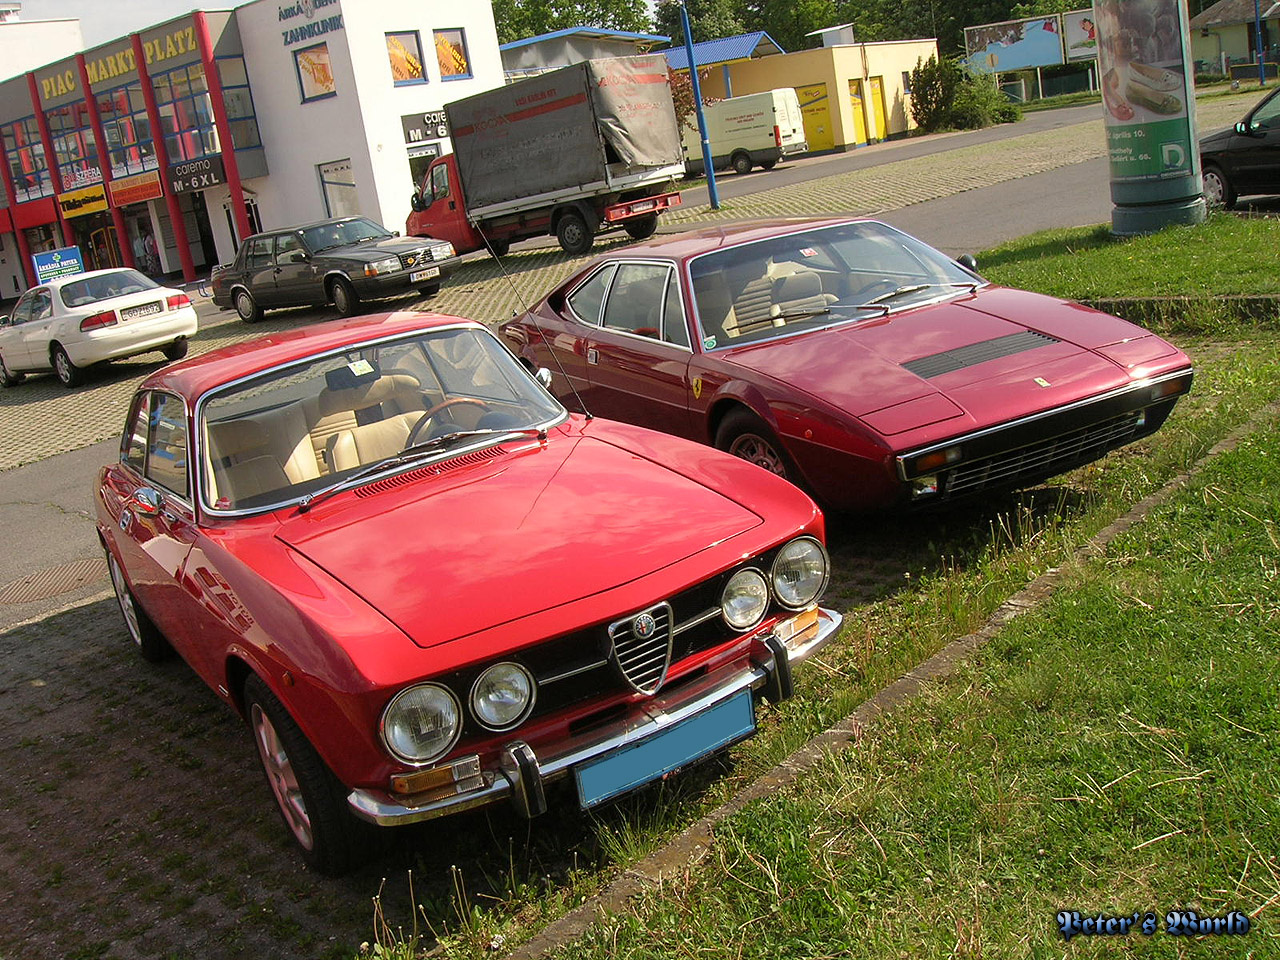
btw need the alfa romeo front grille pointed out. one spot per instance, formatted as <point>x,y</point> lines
<point>641,647</point>
<point>1044,458</point>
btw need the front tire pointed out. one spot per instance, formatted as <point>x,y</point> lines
<point>741,163</point>
<point>69,375</point>
<point>573,234</point>
<point>247,307</point>
<point>499,248</point>
<point>310,799</point>
<point>150,642</point>
<point>642,228</point>
<point>745,435</point>
<point>8,379</point>
<point>176,350</point>
<point>345,298</point>
<point>1218,191</point>
<point>429,290</point>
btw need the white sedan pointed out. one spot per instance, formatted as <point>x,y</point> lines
<point>73,322</point>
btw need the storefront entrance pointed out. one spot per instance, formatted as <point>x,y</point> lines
<point>96,237</point>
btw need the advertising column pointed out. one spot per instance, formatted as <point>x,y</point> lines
<point>1149,99</point>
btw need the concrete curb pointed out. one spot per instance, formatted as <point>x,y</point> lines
<point>687,848</point>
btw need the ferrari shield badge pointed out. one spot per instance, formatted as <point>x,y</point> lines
<point>697,387</point>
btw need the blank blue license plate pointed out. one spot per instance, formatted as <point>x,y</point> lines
<point>631,766</point>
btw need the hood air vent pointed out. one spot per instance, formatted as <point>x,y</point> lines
<point>936,364</point>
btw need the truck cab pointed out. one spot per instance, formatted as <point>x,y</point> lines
<point>440,209</point>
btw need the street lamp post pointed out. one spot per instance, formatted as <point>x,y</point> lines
<point>1257,34</point>
<point>712,193</point>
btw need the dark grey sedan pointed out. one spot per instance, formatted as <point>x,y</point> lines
<point>1244,160</point>
<point>344,261</point>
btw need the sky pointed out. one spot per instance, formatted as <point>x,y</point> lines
<point>103,20</point>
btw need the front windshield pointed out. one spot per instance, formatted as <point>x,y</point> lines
<point>851,271</point>
<point>301,428</point>
<point>340,233</point>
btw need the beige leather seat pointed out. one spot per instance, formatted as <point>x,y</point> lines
<point>350,407</point>
<point>371,442</point>
<point>796,293</point>
<point>251,457</point>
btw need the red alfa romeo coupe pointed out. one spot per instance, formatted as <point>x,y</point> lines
<point>428,587</point>
<point>850,358</point>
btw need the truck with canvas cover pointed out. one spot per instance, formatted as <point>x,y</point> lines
<point>757,129</point>
<point>571,153</point>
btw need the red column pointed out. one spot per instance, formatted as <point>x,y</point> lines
<point>104,163</point>
<point>223,125</point>
<point>162,156</point>
<point>50,158</point>
<point>24,249</point>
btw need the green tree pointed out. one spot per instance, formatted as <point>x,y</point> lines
<point>709,19</point>
<point>788,21</point>
<point>521,19</point>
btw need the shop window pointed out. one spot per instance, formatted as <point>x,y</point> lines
<point>186,113</point>
<point>252,214</point>
<point>404,51</point>
<point>24,152</point>
<point>71,133</point>
<point>315,75</point>
<point>451,53</point>
<point>238,100</point>
<point>127,128</point>
<point>337,183</point>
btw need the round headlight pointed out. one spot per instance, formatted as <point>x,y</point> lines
<point>502,696</point>
<point>422,723</point>
<point>800,572</point>
<point>745,599</point>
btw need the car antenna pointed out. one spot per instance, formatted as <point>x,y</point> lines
<point>534,317</point>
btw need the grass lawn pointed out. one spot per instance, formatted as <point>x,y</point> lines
<point>1115,751</point>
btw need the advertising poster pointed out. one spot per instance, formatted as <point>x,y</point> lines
<point>1145,89</point>
<point>1013,45</point>
<point>314,73</point>
<point>57,263</point>
<point>1080,35</point>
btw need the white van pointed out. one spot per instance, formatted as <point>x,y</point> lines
<point>758,129</point>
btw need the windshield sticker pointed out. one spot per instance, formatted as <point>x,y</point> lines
<point>360,368</point>
<point>808,252</point>
<point>709,343</point>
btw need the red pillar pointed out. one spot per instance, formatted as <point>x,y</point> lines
<point>24,249</point>
<point>50,157</point>
<point>223,125</point>
<point>104,163</point>
<point>162,156</point>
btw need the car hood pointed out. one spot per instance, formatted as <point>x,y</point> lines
<point>376,249</point>
<point>510,531</point>
<point>978,355</point>
<point>1218,139</point>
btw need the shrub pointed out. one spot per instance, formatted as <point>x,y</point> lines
<point>945,95</point>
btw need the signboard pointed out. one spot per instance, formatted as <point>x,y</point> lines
<point>418,127</point>
<point>1145,90</point>
<point>57,263</point>
<point>1014,45</point>
<point>78,203</point>
<point>1080,35</point>
<point>136,189</point>
<point>196,174</point>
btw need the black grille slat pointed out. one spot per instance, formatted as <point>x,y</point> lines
<point>1049,456</point>
<point>936,364</point>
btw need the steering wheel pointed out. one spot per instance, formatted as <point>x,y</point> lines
<point>873,289</point>
<point>425,419</point>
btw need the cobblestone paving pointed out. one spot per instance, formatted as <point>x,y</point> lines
<point>40,418</point>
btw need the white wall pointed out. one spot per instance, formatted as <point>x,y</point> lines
<point>28,44</point>
<point>363,121</point>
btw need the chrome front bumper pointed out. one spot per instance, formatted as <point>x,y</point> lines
<point>522,773</point>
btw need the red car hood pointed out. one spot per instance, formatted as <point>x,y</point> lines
<point>860,368</point>
<point>523,530</point>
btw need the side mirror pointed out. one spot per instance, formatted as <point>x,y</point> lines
<point>299,256</point>
<point>543,376</point>
<point>4,320</point>
<point>1242,128</point>
<point>395,233</point>
<point>966,260</point>
<point>417,203</point>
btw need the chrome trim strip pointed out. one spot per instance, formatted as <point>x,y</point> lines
<point>697,621</point>
<point>645,718</point>
<point>556,678</point>
<point>902,458</point>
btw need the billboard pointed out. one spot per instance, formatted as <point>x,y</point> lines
<point>1014,45</point>
<point>1080,35</point>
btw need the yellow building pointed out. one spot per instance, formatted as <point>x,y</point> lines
<point>851,94</point>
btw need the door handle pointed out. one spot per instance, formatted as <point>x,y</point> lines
<point>452,205</point>
<point>593,355</point>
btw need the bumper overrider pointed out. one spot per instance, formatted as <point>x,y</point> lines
<point>669,730</point>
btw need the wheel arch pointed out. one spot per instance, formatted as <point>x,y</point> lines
<point>736,395</point>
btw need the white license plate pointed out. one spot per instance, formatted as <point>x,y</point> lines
<point>145,310</point>
<point>426,274</point>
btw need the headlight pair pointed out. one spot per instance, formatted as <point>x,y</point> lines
<point>798,577</point>
<point>423,722</point>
